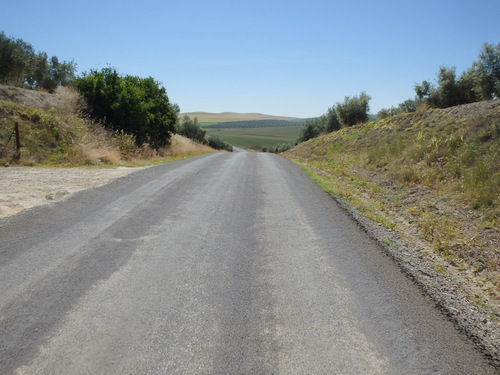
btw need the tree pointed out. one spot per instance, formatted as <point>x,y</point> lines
<point>15,60</point>
<point>314,127</point>
<point>409,105</point>
<point>353,110</point>
<point>449,91</point>
<point>21,66</point>
<point>423,90</point>
<point>190,129</point>
<point>138,106</point>
<point>488,72</point>
<point>332,122</point>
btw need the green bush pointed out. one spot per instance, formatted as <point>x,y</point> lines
<point>218,144</point>
<point>190,129</point>
<point>353,110</point>
<point>282,147</point>
<point>138,106</point>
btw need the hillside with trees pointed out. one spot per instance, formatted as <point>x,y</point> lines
<point>22,66</point>
<point>428,171</point>
<point>478,83</point>
<point>138,107</point>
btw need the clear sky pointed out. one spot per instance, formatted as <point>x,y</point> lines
<point>293,58</point>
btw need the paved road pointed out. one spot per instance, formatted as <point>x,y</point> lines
<point>221,264</point>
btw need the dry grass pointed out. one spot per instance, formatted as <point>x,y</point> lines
<point>183,147</point>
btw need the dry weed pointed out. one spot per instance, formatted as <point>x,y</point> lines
<point>182,146</point>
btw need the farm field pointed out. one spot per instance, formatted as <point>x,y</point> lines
<point>256,138</point>
<point>207,117</point>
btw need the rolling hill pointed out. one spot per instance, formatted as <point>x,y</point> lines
<point>232,116</point>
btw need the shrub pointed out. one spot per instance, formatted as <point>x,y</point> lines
<point>138,106</point>
<point>276,149</point>
<point>218,144</point>
<point>353,110</point>
<point>190,129</point>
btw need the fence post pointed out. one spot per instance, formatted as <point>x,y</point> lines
<point>17,156</point>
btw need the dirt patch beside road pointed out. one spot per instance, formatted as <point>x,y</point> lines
<point>24,188</point>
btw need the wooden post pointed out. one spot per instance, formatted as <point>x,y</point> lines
<point>17,156</point>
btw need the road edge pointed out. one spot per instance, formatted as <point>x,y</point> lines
<point>470,319</point>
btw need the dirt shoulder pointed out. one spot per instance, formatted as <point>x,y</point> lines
<point>24,188</point>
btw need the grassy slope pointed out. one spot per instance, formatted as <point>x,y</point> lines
<point>255,138</point>
<point>433,177</point>
<point>52,133</point>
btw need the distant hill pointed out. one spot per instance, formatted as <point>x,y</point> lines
<point>232,116</point>
<point>255,124</point>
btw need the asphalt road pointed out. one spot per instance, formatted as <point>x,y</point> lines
<point>221,264</point>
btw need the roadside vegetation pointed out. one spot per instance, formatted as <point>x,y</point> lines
<point>50,116</point>
<point>54,131</point>
<point>135,106</point>
<point>22,66</point>
<point>428,169</point>
<point>192,130</point>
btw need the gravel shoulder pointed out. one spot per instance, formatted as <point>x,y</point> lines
<point>24,188</point>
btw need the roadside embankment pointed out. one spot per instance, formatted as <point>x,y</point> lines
<point>427,185</point>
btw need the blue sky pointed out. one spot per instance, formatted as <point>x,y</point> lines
<point>294,58</point>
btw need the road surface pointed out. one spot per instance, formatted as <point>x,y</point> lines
<point>221,264</point>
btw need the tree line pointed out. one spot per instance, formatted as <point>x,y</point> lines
<point>21,65</point>
<point>479,82</point>
<point>352,111</point>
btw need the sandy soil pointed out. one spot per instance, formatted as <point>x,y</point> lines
<point>24,188</point>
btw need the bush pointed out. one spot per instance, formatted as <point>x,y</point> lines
<point>138,106</point>
<point>332,122</point>
<point>282,147</point>
<point>190,129</point>
<point>353,110</point>
<point>219,144</point>
<point>312,129</point>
